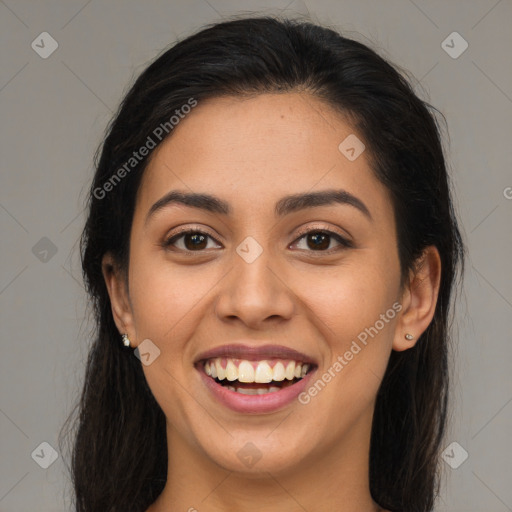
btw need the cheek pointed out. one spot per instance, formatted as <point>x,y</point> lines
<point>352,308</point>
<point>347,299</point>
<point>164,294</point>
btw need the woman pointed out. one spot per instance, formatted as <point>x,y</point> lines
<point>271,234</point>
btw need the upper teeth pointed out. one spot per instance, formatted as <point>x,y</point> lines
<point>252,371</point>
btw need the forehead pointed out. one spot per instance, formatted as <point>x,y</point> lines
<point>252,151</point>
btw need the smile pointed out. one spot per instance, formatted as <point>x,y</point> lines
<point>255,377</point>
<point>255,386</point>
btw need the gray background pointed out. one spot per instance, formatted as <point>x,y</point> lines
<point>53,114</point>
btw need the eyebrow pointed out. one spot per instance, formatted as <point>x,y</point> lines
<point>285,205</point>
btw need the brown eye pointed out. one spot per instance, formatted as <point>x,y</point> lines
<point>193,240</point>
<point>320,240</point>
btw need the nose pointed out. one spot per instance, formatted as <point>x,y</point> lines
<point>256,293</point>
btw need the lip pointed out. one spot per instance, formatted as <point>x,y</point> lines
<point>255,404</point>
<point>255,353</point>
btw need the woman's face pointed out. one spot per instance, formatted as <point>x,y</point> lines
<point>251,281</point>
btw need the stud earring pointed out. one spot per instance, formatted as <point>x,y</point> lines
<point>126,341</point>
<point>409,336</point>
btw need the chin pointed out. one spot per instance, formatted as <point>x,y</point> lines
<point>256,455</point>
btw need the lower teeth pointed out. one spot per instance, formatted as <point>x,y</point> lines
<point>262,390</point>
<point>254,391</point>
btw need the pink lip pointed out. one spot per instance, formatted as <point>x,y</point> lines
<point>255,404</point>
<point>258,353</point>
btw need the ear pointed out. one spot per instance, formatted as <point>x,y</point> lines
<point>419,299</point>
<point>119,298</point>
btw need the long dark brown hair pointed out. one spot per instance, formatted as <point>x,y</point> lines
<point>119,448</point>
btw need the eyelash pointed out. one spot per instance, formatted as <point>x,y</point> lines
<point>341,240</point>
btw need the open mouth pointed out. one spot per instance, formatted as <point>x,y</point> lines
<point>255,377</point>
